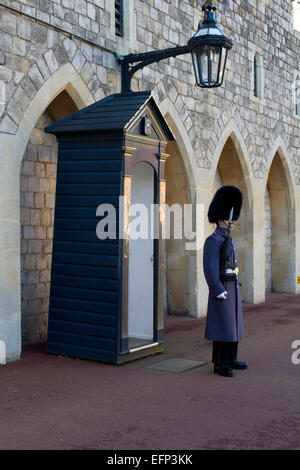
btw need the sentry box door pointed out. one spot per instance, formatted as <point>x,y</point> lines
<point>141,258</point>
<point>107,294</point>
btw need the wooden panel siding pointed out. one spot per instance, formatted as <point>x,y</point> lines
<point>84,295</point>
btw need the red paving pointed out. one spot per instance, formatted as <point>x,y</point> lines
<point>50,402</point>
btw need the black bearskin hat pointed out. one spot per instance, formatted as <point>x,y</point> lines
<point>225,198</point>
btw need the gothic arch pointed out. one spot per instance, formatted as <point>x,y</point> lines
<point>231,121</point>
<point>280,184</point>
<point>64,51</point>
<point>183,141</point>
<point>231,166</point>
<point>233,132</point>
<point>280,146</point>
<point>66,78</point>
<point>181,172</point>
<point>13,148</point>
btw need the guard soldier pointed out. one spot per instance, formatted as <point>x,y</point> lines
<point>224,322</point>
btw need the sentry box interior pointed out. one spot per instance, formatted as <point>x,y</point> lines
<point>107,294</point>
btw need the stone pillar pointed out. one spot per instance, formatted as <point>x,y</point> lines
<point>10,295</point>
<point>203,196</point>
<point>297,237</point>
<point>258,254</point>
<point>268,242</point>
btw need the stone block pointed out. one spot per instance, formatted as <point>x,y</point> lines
<point>40,291</point>
<point>41,262</point>
<point>38,34</point>
<point>39,200</point>
<point>33,184</point>
<point>36,76</point>
<point>40,232</point>
<point>35,217</point>
<point>78,61</point>
<point>50,201</point>
<point>80,6</point>
<point>52,189</point>
<point>27,168</point>
<point>44,184</point>
<point>87,72</point>
<point>51,61</point>
<point>44,153</point>
<point>61,54</point>
<point>45,276</point>
<point>32,277</point>
<point>27,199</point>
<point>25,216</point>
<point>34,246</point>
<point>8,126</point>
<point>51,170</point>
<point>30,262</point>
<point>49,261</point>
<point>6,42</point>
<point>40,171</point>
<point>43,67</point>
<point>28,292</point>
<point>19,46</point>
<point>47,246</point>
<point>45,217</point>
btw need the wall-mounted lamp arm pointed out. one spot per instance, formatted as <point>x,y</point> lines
<point>143,59</point>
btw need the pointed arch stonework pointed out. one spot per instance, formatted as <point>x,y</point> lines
<point>181,170</point>
<point>66,78</point>
<point>231,163</point>
<point>280,179</point>
<point>12,148</point>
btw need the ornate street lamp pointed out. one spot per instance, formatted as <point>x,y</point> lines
<point>209,48</point>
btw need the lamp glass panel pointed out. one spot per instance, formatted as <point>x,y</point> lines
<point>223,63</point>
<point>214,56</point>
<point>196,66</point>
<point>204,72</point>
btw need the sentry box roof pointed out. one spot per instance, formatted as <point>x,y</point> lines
<point>117,112</point>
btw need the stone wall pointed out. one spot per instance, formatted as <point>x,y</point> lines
<point>34,49</point>
<point>37,184</point>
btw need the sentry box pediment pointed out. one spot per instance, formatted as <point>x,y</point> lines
<point>106,296</point>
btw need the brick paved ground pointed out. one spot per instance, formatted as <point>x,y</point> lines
<point>47,402</point>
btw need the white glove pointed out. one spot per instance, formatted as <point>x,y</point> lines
<point>222,296</point>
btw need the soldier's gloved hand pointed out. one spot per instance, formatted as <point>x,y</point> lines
<point>222,296</point>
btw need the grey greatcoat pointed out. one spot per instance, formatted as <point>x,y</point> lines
<point>224,320</point>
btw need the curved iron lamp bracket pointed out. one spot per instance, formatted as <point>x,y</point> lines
<point>143,59</point>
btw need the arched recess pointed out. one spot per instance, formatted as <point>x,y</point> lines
<point>182,265</point>
<point>281,270</point>
<point>37,197</point>
<point>297,95</point>
<point>231,167</point>
<point>12,149</point>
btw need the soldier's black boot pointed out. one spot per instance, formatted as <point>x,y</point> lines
<point>235,364</point>
<point>224,369</point>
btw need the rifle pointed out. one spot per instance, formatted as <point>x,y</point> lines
<point>228,271</point>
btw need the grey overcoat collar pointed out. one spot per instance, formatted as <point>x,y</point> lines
<point>221,231</point>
